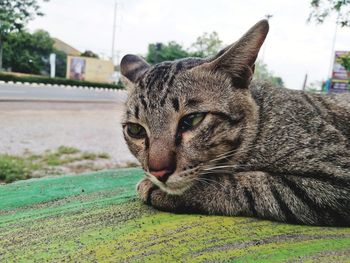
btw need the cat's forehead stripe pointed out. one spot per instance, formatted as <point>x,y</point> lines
<point>137,109</point>
<point>156,84</point>
<point>175,102</point>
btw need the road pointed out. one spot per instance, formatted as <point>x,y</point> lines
<point>43,118</point>
<point>34,92</point>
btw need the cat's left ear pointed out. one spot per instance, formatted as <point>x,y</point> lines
<point>237,61</point>
<point>132,67</point>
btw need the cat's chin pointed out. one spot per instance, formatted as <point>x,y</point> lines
<point>172,188</point>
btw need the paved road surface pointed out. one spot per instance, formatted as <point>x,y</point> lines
<point>44,118</point>
<point>57,93</point>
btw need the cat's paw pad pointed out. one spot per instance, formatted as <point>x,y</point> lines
<point>144,188</point>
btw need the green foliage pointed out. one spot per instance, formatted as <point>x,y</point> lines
<point>207,45</point>
<point>61,63</point>
<point>27,53</point>
<point>58,81</point>
<point>321,9</point>
<point>12,169</point>
<point>89,156</point>
<point>160,52</point>
<point>103,155</point>
<point>15,14</point>
<point>262,73</point>
<point>67,150</point>
<point>89,54</point>
<point>345,61</point>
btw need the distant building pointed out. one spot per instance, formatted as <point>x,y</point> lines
<point>90,69</point>
<point>85,68</point>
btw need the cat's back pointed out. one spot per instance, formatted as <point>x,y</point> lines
<point>304,107</point>
<point>340,99</point>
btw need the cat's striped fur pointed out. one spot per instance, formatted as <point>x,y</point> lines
<point>260,151</point>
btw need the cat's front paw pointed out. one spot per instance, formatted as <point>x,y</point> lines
<point>145,188</point>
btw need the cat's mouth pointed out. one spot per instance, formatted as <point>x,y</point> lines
<point>175,185</point>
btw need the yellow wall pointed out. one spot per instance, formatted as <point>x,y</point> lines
<point>96,70</point>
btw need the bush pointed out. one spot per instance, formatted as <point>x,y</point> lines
<point>58,81</point>
<point>12,169</point>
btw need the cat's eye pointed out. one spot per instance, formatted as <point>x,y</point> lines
<point>190,121</point>
<point>136,130</point>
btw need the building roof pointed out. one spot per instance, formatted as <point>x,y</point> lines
<point>64,47</point>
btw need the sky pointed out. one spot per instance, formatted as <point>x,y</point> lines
<point>292,49</point>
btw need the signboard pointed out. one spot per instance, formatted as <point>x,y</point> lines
<point>77,68</point>
<point>340,80</point>
<point>90,69</point>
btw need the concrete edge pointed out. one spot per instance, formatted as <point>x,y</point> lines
<point>35,84</point>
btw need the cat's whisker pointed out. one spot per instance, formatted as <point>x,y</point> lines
<point>211,182</point>
<point>225,166</point>
<point>207,181</point>
<point>188,171</point>
<point>223,156</point>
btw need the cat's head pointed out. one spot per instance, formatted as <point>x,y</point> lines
<point>191,117</point>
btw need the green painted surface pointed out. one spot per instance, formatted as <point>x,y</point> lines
<point>97,218</point>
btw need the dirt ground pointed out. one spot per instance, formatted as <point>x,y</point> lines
<point>40,126</point>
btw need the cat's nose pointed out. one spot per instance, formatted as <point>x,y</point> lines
<point>161,175</point>
<point>162,165</point>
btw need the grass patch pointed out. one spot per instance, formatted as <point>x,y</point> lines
<point>13,168</point>
<point>89,156</point>
<point>67,150</point>
<point>131,164</point>
<point>103,156</point>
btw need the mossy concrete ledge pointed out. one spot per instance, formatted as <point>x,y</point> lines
<point>96,217</point>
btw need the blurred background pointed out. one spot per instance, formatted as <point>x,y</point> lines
<point>61,99</point>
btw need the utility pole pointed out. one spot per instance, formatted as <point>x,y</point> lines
<point>305,82</point>
<point>268,17</point>
<point>333,47</point>
<point>114,29</point>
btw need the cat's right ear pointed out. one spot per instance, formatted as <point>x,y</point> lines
<point>132,67</point>
<point>237,60</point>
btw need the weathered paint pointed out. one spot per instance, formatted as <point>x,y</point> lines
<point>97,217</point>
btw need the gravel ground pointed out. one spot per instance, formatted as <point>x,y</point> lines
<point>40,126</point>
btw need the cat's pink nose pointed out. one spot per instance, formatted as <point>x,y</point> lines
<point>159,174</point>
<point>161,159</point>
<point>162,175</point>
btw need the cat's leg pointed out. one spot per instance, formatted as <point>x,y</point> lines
<point>207,196</point>
<point>151,195</point>
<point>287,198</point>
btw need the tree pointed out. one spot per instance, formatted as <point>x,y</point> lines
<point>61,63</point>
<point>89,54</point>
<point>262,73</point>
<point>321,9</point>
<point>14,15</point>
<point>344,60</point>
<point>160,52</point>
<point>27,53</point>
<point>207,45</point>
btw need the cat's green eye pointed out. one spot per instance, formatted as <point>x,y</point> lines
<point>190,121</point>
<point>136,130</point>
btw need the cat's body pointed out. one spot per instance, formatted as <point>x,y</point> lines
<point>213,142</point>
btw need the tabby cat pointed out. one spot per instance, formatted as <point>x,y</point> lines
<point>213,141</point>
